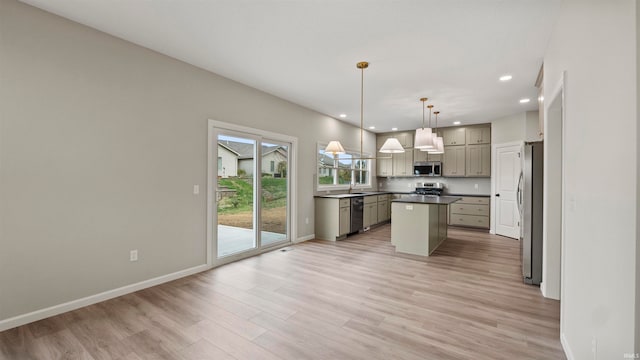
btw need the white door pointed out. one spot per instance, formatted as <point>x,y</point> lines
<point>508,168</point>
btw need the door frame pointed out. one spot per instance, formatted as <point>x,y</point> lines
<point>212,259</point>
<point>494,172</point>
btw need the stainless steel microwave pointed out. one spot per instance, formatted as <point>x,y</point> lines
<point>427,168</point>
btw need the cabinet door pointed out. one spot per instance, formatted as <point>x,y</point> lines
<point>420,155</point>
<point>403,164</point>
<point>345,220</point>
<point>454,161</point>
<point>384,167</point>
<point>479,135</point>
<point>454,136</point>
<point>373,210</point>
<point>406,139</point>
<point>366,216</point>
<point>478,160</point>
<point>383,211</point>
<point>434,157</point>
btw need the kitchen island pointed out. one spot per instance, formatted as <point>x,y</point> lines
<point>419,223</point>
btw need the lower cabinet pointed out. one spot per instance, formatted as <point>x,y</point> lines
<point>333,218</point>
<point>471,211</point>
<point>370,216</point>
<point>345,220</point>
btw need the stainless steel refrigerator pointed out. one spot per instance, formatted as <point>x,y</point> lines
<point>530,188</point>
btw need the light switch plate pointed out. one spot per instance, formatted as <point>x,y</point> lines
<point>409,207</point>
<point>196,189</point>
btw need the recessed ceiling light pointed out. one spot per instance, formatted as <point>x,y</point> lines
<point>372,127</point>
<point>456,123</point>
<point>524,101</point>
<point>394,129</point>
<point>506,77</point>
<point>343,115</point>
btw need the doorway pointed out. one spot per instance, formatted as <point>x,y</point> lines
<point>507,174</point>
<point>250,187</point>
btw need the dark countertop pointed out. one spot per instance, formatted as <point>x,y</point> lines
<point>428,199</point>
<point>358,194</point>
<point>469,195</point>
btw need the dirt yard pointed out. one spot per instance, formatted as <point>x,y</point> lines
<point>273,220</point>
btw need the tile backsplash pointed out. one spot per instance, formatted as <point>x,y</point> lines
<point>467,186</point>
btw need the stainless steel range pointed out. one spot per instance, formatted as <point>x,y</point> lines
<point>430,188</point>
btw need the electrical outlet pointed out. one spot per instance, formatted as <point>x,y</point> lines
<point>196,189</point>
<point>475,186</point>
<point>409,185</point>
<point>306,221</point>
<point>133,255</point>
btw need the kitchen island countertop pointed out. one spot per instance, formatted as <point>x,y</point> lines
<point>428,199</point>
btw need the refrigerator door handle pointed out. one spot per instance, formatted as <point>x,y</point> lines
<point>519,192</point>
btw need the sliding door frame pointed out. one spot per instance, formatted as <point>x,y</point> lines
<point>263,135</point>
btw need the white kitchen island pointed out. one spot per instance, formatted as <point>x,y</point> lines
<point>419,223</point>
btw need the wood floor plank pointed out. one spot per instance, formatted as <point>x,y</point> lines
<point>351,299</point>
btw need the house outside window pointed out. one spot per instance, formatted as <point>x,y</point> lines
<point>342,171</point>
<point>272,166</point>
<point>219,163</point>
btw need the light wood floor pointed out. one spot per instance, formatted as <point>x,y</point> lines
<point>354,299</point>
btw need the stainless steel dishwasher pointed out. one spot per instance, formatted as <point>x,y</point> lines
<point>357,213</point>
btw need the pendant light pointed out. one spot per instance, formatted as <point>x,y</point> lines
<point>438,141</point>
<point>334,148</point>
<point>424,136</point>
<point>390,146</point>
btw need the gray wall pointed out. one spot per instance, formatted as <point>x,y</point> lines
<point>594,41</point>
<point>101,142</point>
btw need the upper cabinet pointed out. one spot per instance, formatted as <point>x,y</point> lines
<point>384,165</point>
<point>454,161</point>
<point>425,156</point>
<point>404,137</point>
<point>478,135</point>
<point>467,153</point>
<point>454,136</point>
<point>478,160</point>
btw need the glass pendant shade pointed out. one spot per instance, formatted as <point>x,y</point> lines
<point>334,148</point>
<point>424,139</point>
<point>391,146</point>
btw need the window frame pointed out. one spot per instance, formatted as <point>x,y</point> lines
<point>335,186</point>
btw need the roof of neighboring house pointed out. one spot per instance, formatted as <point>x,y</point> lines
<point>245,151</point>
<point>228,148</point>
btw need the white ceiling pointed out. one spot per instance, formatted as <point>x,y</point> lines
<point>306,51</point>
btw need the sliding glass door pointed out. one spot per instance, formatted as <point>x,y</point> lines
<point>252,193</point>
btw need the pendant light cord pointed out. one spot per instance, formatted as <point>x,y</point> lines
<point>361,110</point>
<point>422,114</point>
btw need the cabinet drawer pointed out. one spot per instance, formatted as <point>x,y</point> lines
<point>470,220</point>
<point>469,209</point>
<point>345,202</point>
<point>384,197</point>
<point>370,199</point>
<point>474,200</point>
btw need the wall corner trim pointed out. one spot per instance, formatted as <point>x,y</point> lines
<point>23,319</point>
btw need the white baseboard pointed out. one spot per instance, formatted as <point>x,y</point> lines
<point>92,299</point>
<point>566,348</point>
<point>305,238</point>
